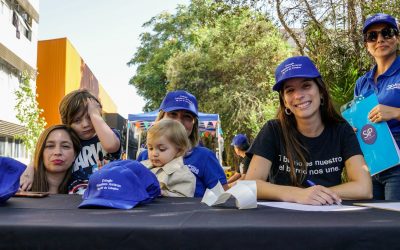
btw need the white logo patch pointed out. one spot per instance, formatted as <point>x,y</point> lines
<point>193,169</point>
<point>393,86</point>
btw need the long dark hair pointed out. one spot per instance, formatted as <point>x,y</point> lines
<point>40,183</point>
<point>293,147</point>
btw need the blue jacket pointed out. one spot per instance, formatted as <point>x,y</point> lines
<point>387,89</point>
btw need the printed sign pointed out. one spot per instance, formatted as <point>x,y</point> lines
<point>377,143</point>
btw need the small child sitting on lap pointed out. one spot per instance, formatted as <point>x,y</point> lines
<point>167,143</point>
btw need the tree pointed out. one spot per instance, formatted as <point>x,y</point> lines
<point>224,55</point>
<point>170,33</point>
<point>330,33</point>
<point>28,112</point>
<point>231,68</point>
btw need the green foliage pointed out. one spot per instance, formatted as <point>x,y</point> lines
<point>230,69</point>
<point>224,55</point>
<point>170,34</point>
<point>381,6</point>
<point>28,112</point>
<point>338,59</point>
<point>330,33</point>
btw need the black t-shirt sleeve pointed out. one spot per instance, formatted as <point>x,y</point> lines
<point>350,145</point>
<point>266,143</point>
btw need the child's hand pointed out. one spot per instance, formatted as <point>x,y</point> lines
<point>94,107</point>
<point>100,164</point>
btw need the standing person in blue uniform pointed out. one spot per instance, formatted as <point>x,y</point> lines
<point>381,38</point>
<point>300,156</point>
<point>241,145</point>
<point>182,106</point>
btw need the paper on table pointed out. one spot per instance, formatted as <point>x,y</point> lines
<point>245,193</point>
<point>394,206</point>
<point>302,207</point>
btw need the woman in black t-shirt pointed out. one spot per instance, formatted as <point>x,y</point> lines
<point>304,151</point>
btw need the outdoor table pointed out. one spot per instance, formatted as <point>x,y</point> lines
<point>55,222</point>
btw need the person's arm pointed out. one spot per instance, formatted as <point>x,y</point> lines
<point>359,185</point>
<point>234,177</point>
<point>315,195</point>
<point>213,171</point>
<point>26,179</point>
<point>109,141</point>
<point>382,113</point>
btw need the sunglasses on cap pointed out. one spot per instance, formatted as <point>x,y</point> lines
<point>387,33</point>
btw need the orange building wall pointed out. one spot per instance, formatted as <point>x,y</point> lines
<point>72,68</point>
<point>106,101</point>
<point>62,70</point>
<point>50,82</point>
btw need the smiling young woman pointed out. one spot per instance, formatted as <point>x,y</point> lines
<point>309,142</point>
<point>381,39</point>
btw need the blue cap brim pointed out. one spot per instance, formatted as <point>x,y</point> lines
<point>169,109</point>
<point>98,202</point>
<point>365,29</point>
<point>278,86</point>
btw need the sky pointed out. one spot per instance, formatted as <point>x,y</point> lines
<point>106,34</point>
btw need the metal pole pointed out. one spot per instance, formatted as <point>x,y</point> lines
<point>127,138</point>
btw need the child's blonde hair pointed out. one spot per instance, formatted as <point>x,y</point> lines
<point>73,103</point>
<point>174,131</point>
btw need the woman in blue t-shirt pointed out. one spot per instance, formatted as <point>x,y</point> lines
<point>182,106</point>
<point>300,156</point>
<point>381,38</point>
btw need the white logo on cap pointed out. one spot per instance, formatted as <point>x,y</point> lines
<point>108,184</point>
<point>183,98</point>
<point>291,66</point>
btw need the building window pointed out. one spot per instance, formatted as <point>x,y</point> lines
<point>22,22</point>
<point>2,146</point>
<point>14,148</point>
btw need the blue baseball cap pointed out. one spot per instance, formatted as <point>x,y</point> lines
<point>380,18</point>
<point>10,172</point>
<point>148,179</point>
<point>178,100</point>
<point>116,185</point>
<point>294,67</point>
<point>239,140</point>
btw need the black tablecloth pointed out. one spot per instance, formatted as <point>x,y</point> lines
<point>55,222</point>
